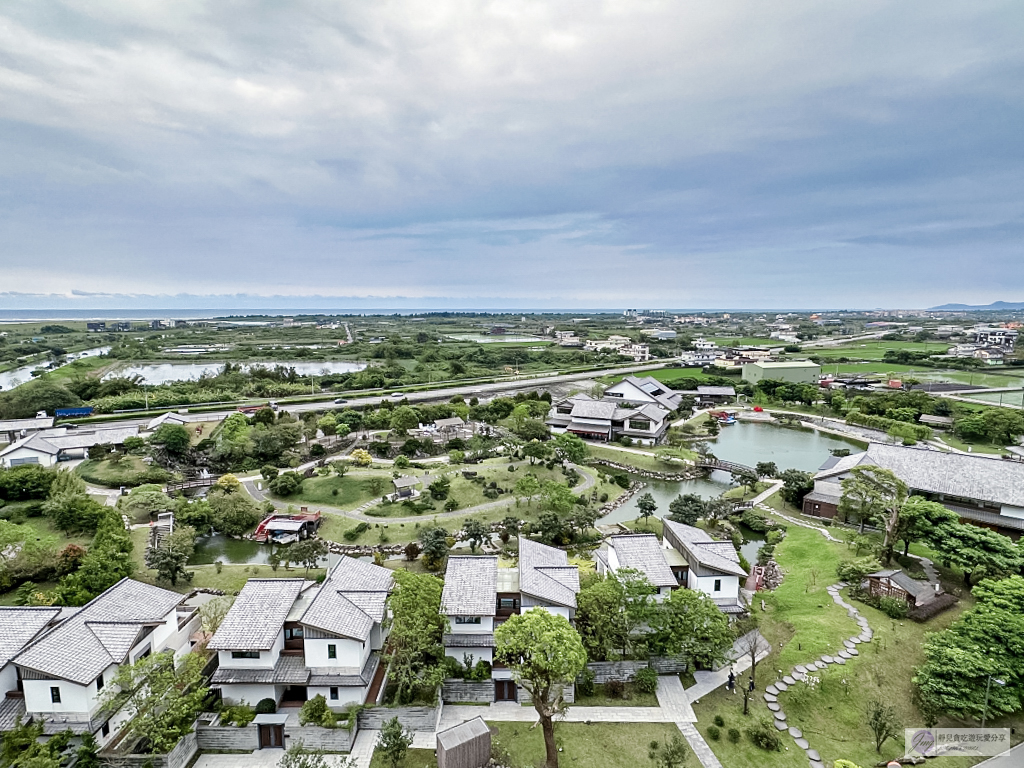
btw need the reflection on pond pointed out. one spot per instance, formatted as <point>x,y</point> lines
<point>218,547</point>
<point>161,373</point>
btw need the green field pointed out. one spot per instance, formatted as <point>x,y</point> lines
<point>876,349</point>
<point>597,745</point>
<point>638,460</point>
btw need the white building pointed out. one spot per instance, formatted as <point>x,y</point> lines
<point>712,567</point>
<point>639,552</point>
<point>47,446</point>
<point>290,640</point>
<point>478,596</point>
<point>70,657</point>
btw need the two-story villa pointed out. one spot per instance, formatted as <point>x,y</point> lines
<point>291,639</point>
<point>479,596</point>
<point>712,567</point>
<point>69,656</point>
<point>643,553</point>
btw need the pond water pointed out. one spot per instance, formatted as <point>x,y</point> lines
<point>481,339</point>
<point>744,443</point>
<point>16,376</point>
<point>161,373</point>
<point>217,546</point>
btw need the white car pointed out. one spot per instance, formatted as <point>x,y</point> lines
<point>396,395</point>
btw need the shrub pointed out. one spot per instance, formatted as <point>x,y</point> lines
<point>765,736</point>
<point>354,533</point>
<point>734,735</point>
<point>719,721</point>
<point>616,689</point>
<point>893,607</point>
<point>316,712</point>
<point>646,680</point>
<point>585,683</point>
<point>853,571</point>
<point>774,537</point>
<point>240,715</point>
<point>266,707</point>
<point>714,733</point>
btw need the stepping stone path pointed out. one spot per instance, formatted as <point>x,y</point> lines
<point>800,671</point>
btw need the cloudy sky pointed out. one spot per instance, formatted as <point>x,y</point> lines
<point>684,154</point>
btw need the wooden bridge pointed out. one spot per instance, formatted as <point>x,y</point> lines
<point>191,483</point>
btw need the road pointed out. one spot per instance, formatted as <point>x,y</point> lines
<point>441,393</point>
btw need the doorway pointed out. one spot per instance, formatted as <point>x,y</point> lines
<point>271,736</point>
<point>505,690</point>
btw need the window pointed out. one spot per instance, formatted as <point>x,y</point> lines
<point>293,633</point>
<point>55,695</point>
<point>99,682</point>
<point>334,694</point>
<point>467,619</point>
<point>640,425</point>
<point>718,585</point>
<point>508,603</point>
<point>105,730</point>
<point>332,651</point>
<point>245,654</point>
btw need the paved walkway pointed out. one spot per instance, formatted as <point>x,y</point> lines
<point>699,746</point>
<point>708,681</point>
<point>673,700</point>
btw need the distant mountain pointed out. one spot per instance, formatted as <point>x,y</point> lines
<point>993,307</point>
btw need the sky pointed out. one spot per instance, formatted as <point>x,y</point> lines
<point>455,153</point>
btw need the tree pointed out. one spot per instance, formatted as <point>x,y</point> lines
<point>234,514</point>
<point>169,560</point>
<point>144,503</point>
<point>526,487</point>
<point>212,613</point>
<point>308,552</point>
<point>599,618</point>
<point>440,488</point>
<point>361,458</point>
<point>476,533</point>
<point>557,498</point>
<point>394,742</point>
<point>536,450</point>
<point>920,518</point>
<point>174,438</point>
<point>796,485</point>
<point>286,484</point>
<point>403,419</point>
<point>570,447</point>
<point>328,424</point>
<point>434,541</point>
<point>161,698</point>
<point>509,528</point>
<point>646,506</point>
<point>73,512</point>
<point>881,719</point>
<point>753,645</point>
<point>689,623</point>
<point>24,747</point>
<point>227,483</point>
<point>717,509</point>
<point>108,561</point>
<point>544,654</point>
<point>269,472</point>
<point>672,754</point>
<point>974,549</point>
<point>417,627</point>
<point>872,493</point>
<point>686,509</point>
<point>766,469</point>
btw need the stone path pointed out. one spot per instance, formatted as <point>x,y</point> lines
<point>801,523</point>
<point>673,700</point>
<point>801,671</point>
<point>707,681</point>
<point>699,746</point>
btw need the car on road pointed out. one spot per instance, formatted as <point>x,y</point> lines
<point>340,401</point>
<point>396,395</point>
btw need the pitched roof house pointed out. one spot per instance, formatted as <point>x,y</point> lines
<point>479,596</point>
<point>712,567</point>
<point>292,639</point>
<point>985,491</point>
<point>68,655</point>
<point>609,419</point>
<point>639,552</point>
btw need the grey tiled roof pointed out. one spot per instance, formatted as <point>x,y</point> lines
<point>470,586</point>
<point>466,640</point>
<point>350,600</point>
<point>289,670</point>
<point>716,555</point>
<point>822,497</point>
<point>257,616</point>
<point>643,553</point>
<point>951,474</point>
<point>594,409</point>
<point>545,574</point>
<point>345,675</point>
<point>10,711</point>
<point>117,637</point>
<point>73,650</point>
<point>18,626</point>
<point>903,581</point>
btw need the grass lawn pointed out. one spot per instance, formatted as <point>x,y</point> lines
<point>876,349</point>
<point>955,442</point>
<point>128,472</point>
<point>646,460</point>
<point>344,492</point>
<point>602,699</point>
<point>414,758</point>
<point>600,745</point>
<point>651,525</point>
<point>742,493</point>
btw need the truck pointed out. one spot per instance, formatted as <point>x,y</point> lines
<point>64,413</point>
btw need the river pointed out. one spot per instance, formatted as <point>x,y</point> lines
<point>16,376</point>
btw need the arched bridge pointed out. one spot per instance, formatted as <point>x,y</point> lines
<point>726,466</point>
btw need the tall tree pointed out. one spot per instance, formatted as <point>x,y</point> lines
<point>686,509</point>
<point>526,487</point>
<point>570,447</point>
<point>646,506</point>
<point>417,626</point>
<point>875,494</point>
<point>975,550</point>
<point>544,654</point>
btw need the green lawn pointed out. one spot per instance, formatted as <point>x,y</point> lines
<point>955,442</point>
<point>599,745</point>
<point>876,349</point>
<point>345,492</point>
<point>803,623</point>
<point>638,460</point>
<point>742,492</point>
<point>414,758</point>
<point>602,699</point>
<point>130,471</point>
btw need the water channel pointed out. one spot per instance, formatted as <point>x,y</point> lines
<point>161,373</point>
<point>12,378</point>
